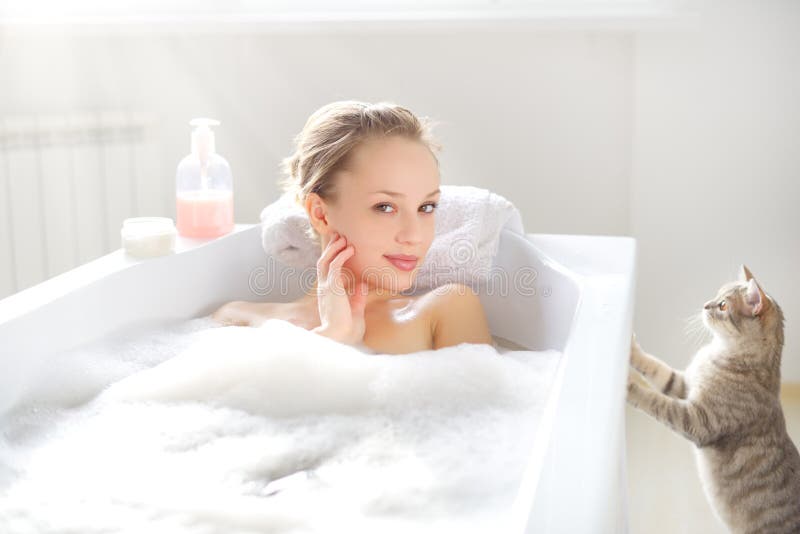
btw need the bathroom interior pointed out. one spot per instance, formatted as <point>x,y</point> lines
<point>649,146</point>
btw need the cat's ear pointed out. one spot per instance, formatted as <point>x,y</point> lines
<point>755,298</point>
<point>745,274</point>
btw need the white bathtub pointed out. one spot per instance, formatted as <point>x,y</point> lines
<point>577,296</point>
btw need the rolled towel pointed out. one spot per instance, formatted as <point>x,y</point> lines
<point>285,233</point>
<point>466,237</point>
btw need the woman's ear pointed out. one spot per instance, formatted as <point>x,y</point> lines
<point>317,211</point>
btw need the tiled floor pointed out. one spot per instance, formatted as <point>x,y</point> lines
<point>664,491</point>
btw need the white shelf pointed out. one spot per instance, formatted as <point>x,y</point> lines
<point>302,17</point>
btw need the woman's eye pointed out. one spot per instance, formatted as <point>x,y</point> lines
<point>431,205</point>
<point>380,207</point>
<point>723,305</point>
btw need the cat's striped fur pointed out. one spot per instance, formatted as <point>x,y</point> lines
<point>727,403</point>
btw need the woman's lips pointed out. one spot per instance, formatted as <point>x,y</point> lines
<point>402,262</point>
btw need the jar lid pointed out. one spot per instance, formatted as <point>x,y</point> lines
<point>138,227</point>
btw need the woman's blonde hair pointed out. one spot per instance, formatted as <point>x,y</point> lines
<point>332,133</point>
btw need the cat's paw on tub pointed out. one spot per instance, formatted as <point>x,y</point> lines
<point>636,349</point>
<point>635,378</point>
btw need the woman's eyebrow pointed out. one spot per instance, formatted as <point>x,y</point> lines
<point>396,194</point>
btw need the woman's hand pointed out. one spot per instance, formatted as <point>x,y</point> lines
<point>341,316</point>
<point>232,314</point>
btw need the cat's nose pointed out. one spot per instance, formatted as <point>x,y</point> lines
<point>708,305</point>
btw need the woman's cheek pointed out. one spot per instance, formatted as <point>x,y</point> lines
<point>360,266</point>
<point>355,263</point>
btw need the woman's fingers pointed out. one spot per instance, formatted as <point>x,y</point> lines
<point>327,252</point>
<point>335,269</point>
<point>333,247</point>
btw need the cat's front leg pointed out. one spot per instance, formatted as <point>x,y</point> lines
<point>663,377</point>
<point>692,421</point>
<point>635,378</point>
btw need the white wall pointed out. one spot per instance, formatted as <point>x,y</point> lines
<point>541,118</point>
<point>544,118</point>
<point>686,140</point>
<point>716,169</point>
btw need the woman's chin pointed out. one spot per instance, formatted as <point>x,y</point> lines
<point>399,284</point>
<point>389,278</point>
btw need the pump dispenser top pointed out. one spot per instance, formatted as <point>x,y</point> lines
<point>204,186</point>
<point>203,137</point>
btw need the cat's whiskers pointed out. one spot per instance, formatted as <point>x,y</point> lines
<point>695,329</point>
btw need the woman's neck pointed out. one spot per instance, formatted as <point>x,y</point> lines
<point>375,295</point>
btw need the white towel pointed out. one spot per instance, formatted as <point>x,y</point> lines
<point>284,233</point>
<point>467,235</point>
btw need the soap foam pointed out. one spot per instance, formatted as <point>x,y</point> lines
<point>205,429</point>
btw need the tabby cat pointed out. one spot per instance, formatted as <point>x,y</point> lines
<point>727,403</point>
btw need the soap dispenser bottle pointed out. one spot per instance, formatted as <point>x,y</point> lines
<point>204,187</point>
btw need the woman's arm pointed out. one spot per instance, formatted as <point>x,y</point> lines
<point>236,313</point>
<point>458,317</point>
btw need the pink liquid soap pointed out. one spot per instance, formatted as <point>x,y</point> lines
<point>205,214</point>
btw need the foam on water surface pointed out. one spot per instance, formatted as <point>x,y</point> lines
<point>196,428</point>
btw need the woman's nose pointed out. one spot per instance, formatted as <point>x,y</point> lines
<point>410,231</point>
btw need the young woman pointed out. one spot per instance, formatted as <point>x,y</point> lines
<point>367,176</point>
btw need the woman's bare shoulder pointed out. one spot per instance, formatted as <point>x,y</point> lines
<point>449,293</point>
<point>457,316</point>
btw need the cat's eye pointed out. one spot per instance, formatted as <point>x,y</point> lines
<point>722,305</point>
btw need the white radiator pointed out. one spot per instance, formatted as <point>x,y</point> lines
<point>66,184</point>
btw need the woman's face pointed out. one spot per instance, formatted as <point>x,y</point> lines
<point>385,207</point>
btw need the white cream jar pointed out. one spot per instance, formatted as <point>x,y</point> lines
<point>148,237</point>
